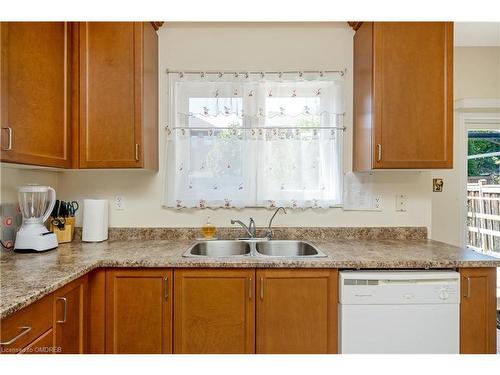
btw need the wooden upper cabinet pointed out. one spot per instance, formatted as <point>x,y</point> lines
<point>403,95</point>
<point>214,311</point>
<point>139,311</point>
<point>35,93</point>
<point>478,311</point>
<point>118,95</point>
<point>297,311</point>
<point>71,317</point>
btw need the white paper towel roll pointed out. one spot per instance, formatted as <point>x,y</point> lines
<point>95,220</point>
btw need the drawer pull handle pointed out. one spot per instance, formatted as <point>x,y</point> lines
<point>379,152</point>
<point>65,309</point>
<point>9,147</point>
<point>24,331</point>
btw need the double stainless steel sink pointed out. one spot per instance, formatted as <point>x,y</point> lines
<point>244,248</point>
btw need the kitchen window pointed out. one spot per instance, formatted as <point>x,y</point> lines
<point>254,140</point>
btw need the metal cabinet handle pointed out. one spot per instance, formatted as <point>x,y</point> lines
<point>467,290</point>
<point>166,287</point>
<point>24,331</point>
<point>9,147</point>
<point>379,152</point>
<point>261,288</point>
<point>65,309</point>
<point>137,151</point>
<point>250,288</point>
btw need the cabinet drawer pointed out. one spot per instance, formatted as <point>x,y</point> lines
<point>19,330</point>
<point>42,345</point>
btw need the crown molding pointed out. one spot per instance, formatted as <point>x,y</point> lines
<point>355,24</point>
<point>157,24</point>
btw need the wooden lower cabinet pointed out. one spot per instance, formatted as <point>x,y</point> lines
<point>24,328</point>
<point>478,311</point>
<point>214,311</point>
<point>297,311</point>
<point>71,317</point>
<point>97,311</point>
<point>264,311</point>
<point>42,345</point>
<point>139,311</point>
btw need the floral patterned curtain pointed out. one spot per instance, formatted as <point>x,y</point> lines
<point>254,140</point>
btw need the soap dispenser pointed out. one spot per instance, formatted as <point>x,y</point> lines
<point>208,230</point>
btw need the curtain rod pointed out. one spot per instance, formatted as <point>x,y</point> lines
<point>246,73</point>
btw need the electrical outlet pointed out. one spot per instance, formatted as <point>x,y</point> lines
<point>119,202</point>
<point>401,202</point>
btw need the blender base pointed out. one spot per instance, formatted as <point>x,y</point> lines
<point>34,239</point>
<point>28,251</point>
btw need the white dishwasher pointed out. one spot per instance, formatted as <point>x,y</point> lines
<point>399,312</point>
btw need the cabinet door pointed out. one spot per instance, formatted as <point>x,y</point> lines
<point>297,311</point>
<point>139,311</point>
<point>478,311</point>
<point>110,94</point>
<point>35,93</point>
<point>70,317</point>
<point>413,94</point>
<point>214,311</point>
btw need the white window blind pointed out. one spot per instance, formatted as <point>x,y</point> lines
<point>265,140</point>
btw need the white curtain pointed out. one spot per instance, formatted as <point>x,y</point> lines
<point>254,140</point>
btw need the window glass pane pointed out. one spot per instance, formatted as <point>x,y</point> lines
<point>251,141</point>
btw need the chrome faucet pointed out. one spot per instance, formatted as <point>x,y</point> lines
<point>250,229</point>
<point>269,230</point>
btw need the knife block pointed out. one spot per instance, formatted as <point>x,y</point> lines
<point>64,235</point>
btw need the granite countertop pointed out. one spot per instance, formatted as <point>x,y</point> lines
<point>25,278</point>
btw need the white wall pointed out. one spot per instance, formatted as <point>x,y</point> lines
<point>476,75</point>
<point>13,177</point>
<point>477,72</point>
<point>250,46</point>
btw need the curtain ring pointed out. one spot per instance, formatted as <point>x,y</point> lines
<point>280,75</point>
<point>220,74</point>
<point>181,75</point>
<point>321,74</point>
<point>202,75</point>
<point>246,75</point>
<point>262,75</point>
<point>301,74</point>
<point>236,75</point>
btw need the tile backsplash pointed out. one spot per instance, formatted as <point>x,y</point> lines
<point>11,221</point>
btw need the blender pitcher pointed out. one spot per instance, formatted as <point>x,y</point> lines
<point>36,203</point>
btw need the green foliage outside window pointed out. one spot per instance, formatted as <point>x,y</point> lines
<point>487,166</point>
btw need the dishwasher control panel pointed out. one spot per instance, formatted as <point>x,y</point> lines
<point>399,287</point>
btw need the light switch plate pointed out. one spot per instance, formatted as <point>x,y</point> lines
<point>119,202</point>
<point>401,203</point>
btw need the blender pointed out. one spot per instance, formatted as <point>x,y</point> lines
<point>36,203</point>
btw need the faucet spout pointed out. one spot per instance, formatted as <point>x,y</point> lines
<point>269,230</point>
<point>250,229</point>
